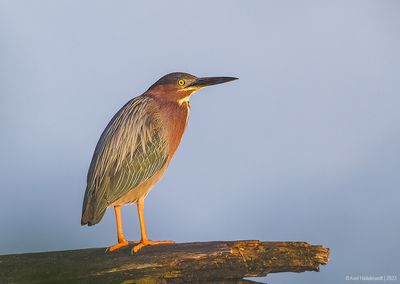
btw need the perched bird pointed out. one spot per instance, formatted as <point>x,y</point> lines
<point>136,148</point>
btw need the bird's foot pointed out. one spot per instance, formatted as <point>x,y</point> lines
<point>120,244</point>
<point>145,243</point>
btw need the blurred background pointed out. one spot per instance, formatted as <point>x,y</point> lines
<point>305,146</point>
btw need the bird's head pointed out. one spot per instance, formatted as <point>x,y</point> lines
<point>180,86</point>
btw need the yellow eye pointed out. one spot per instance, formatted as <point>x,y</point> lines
<point>181,82</point>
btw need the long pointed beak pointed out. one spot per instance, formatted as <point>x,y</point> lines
<point>208,81</point>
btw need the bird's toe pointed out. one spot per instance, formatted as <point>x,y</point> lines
<point>119,245</point>
<point>145,243</point>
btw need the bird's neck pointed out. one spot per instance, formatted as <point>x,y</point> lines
<point>174,116</point>
<point>167,95</point>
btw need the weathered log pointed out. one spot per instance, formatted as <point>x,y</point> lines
<point>216,262</point>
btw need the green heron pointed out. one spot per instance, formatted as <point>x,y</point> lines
<point>136,148</point>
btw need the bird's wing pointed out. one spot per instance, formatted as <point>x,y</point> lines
<point>130,151</point>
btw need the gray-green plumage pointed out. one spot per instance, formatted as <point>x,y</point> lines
<point>130,151</point>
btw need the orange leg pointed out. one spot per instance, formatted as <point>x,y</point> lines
<point>145,241</point>
<point>122,242</point>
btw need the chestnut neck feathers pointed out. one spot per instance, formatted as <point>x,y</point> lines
<point>173,110</point>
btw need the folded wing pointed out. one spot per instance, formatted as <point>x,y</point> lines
<point>130,151</point>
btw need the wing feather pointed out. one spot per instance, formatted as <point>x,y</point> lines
<point>130,151</point>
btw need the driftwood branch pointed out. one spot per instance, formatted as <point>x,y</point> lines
<point>224,262</point>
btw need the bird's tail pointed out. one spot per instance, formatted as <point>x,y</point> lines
<point>91,214</point>
<point>91,217</point>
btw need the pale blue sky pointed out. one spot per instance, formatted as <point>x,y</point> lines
<point>305,146</point>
